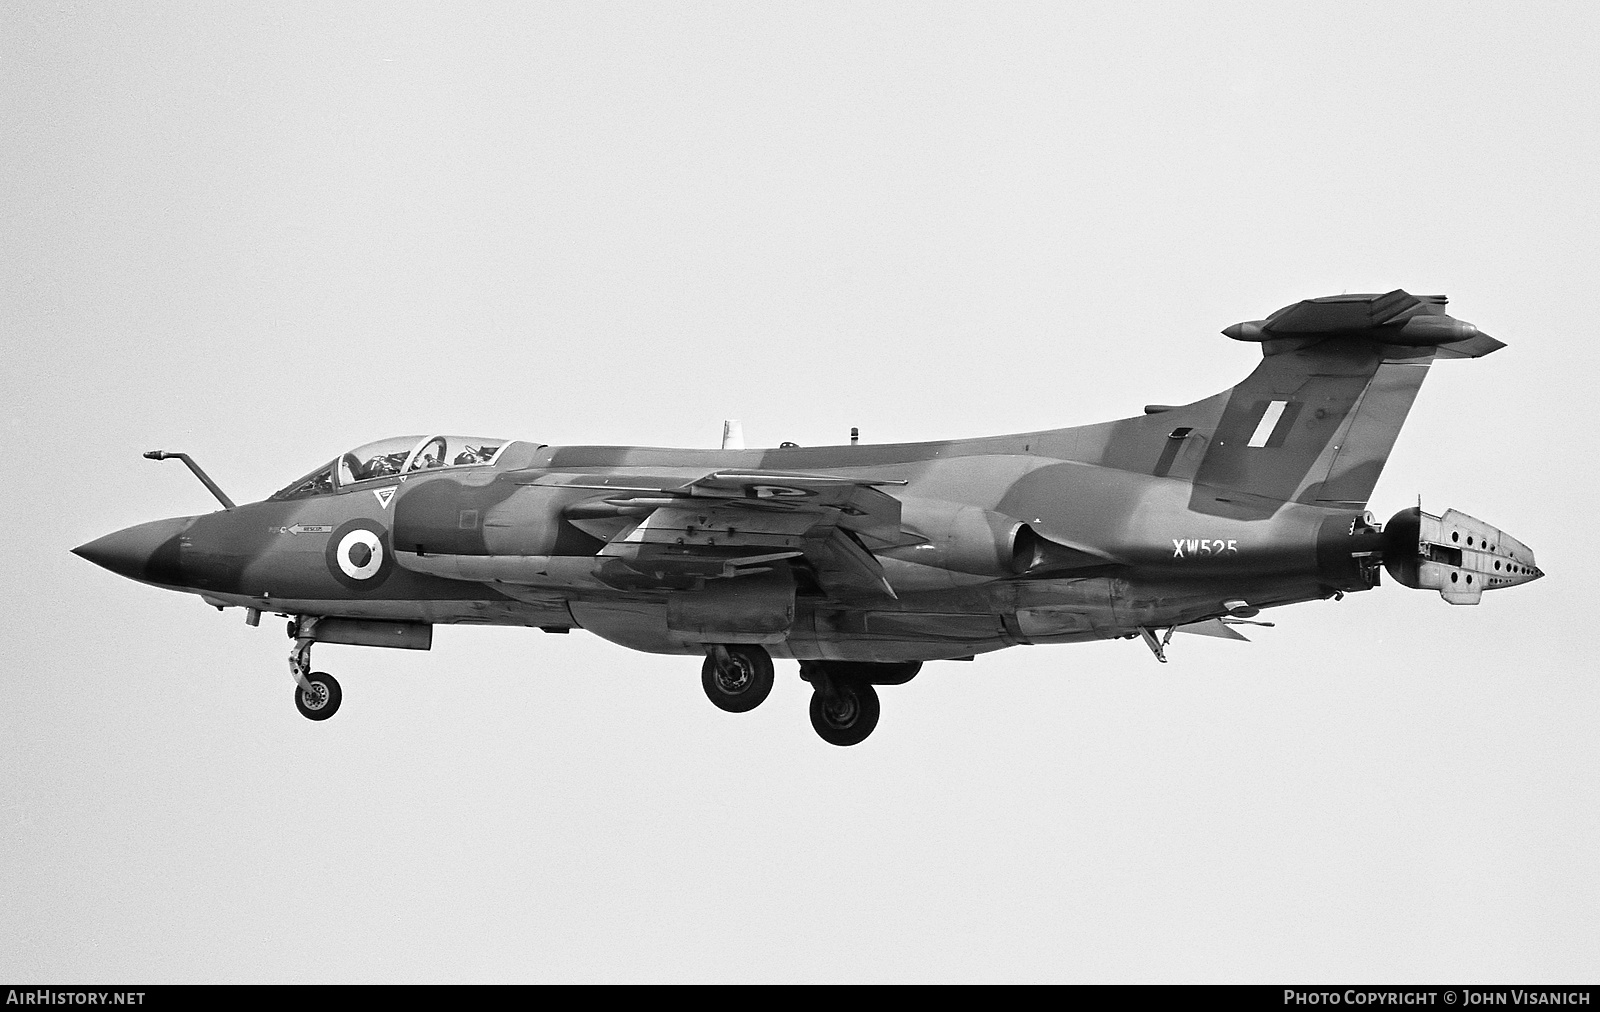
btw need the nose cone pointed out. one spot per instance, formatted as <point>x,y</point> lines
<point>148,552</point>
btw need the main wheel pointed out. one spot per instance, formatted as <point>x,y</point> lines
<point>322,701</point>
<point>741,684</point>
<point>849,716</point>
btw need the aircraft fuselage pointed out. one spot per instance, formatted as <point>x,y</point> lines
<point>958,590</point>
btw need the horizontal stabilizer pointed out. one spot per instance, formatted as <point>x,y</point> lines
<point>1398,318</point>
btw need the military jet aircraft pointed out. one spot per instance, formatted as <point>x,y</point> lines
<point>862,561</point>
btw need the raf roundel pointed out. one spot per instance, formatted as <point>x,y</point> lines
<point>358,555</point>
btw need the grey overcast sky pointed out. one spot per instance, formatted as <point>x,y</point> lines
<point>267,233</point>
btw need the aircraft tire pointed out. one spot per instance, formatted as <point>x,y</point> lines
<point>745,685</point>
<point>322,705</point>
<point>852,716</point>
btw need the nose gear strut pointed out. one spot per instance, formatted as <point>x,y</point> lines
<point>304,633</point>
<point>317,694</point>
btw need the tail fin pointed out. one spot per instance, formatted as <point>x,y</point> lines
<point>1317,419</point>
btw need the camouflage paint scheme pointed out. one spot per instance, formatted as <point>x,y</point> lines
<point>1188,517</point>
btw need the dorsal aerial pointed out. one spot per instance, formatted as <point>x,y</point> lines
<point>862,561</point>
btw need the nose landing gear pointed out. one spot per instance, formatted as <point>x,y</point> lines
<point>317,694</point>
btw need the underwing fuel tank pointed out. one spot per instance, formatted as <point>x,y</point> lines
<point>1457,555</point>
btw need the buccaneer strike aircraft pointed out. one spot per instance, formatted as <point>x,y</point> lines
<point>864,561</point>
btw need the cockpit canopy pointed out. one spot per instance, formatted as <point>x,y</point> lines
<point>388,458</point>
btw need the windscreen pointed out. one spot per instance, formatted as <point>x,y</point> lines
<point>405,454</point>
<point>391,458</point>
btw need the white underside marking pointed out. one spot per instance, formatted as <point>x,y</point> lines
<point>1269,421</point>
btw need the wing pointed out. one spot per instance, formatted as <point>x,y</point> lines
<point>733,523</point>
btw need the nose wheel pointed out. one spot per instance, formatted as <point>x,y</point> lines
<point>321,699</point>
<point>316,693</point>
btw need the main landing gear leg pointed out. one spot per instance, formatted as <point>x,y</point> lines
<point>844,709</point>
<point>316,695</point>
<point>737,678</point>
